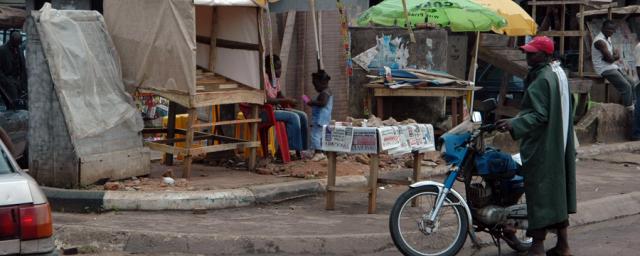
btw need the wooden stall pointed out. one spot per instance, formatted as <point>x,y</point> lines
<point>197,54</point>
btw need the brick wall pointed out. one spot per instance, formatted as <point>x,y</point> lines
<point>302,60</point>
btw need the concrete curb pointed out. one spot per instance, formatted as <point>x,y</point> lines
<point>588,151</point>
<point>611,207</point>
<point>72,200</point>
<point>136,241</point>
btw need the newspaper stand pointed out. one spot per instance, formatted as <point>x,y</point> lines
<point>374,166</point>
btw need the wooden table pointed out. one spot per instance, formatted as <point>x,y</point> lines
<point>372,186</point>
<point>456,94</point>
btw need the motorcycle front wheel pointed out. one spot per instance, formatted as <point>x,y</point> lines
<point>414,234</point>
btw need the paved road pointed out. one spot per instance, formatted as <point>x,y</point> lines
<point>615,237</point>
<point>303,225</point>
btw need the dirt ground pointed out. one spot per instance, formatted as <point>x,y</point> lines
<point>232,173</point>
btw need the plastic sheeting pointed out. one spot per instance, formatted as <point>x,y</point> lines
<point>86,72</point>
<point>156,41</point>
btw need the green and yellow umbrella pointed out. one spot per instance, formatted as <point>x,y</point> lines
<point>457,15</point>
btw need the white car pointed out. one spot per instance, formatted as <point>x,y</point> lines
<point>25,216</point>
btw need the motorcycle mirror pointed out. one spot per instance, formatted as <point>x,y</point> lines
<point>476,117</point>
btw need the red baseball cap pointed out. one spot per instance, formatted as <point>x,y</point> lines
<point>539,44</point>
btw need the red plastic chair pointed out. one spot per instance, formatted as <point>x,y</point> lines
<point>280,129</point>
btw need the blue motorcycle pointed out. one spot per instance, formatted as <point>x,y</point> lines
<point>432,218</point>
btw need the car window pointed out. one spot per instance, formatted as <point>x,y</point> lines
<point>5,164</point>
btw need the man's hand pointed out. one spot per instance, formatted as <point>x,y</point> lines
<point>616,54</point>
<point>504,125</point>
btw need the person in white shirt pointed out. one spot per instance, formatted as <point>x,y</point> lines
<point>604,58</point>
<point>635,134</point>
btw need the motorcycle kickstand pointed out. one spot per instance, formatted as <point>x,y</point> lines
<point>496,242</point>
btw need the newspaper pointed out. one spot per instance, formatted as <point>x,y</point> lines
<point>427,138</point>
<point>365,140</point>
<point>389,138</point>
<point>337,138</point>
<point>404,147</point>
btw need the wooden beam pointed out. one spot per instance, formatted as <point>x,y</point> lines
<point>164,148</point>
<point>556,33</point>
<point>502,62</point>
<point>188,159</point>
<point>205,99</point>
<point>584,2</point>
<point>228,44</point>
<point>416,92</point>
<point>230,122</point>
<point>254,138</point>
<point>331,181</point>
<point>374,166</point>
<point>563,12</point>
<point>285,48</point>
<point>223,147</point>
<point>581,46</point>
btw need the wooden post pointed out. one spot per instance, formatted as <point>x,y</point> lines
<point>503,92</point>
<point>331,181</point>
<point>254,137</point>
<point>417,167</point>
<point>581,47</point>
<point>374,165</point>
<point>193,115</point>
<point>379,107</point>
<point>286,45</point>
<point>171,130</point>
<point>454,111</point>
<point>213,42</point>
<point>562,28</point>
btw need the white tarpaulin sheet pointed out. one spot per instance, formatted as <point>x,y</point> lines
<point>85,70</point>
<point>156,41</point>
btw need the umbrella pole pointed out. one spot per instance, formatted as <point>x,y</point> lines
<point>474,69</point>
<point>312,8</point>
<point>406,16</point>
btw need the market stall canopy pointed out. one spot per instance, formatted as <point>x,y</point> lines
<point>161,42</point>
<point>458,15</point>
<point>11,17</point>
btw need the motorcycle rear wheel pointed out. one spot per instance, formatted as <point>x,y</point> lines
<point>414,235</point>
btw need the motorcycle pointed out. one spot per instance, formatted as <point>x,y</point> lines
<point>432,218</point>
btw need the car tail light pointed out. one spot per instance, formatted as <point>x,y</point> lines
<point>35,222</point>
<point>9,223</point>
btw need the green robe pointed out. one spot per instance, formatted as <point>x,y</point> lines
<point>549,175</point>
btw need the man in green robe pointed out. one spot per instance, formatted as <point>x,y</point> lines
<point>544,128</point>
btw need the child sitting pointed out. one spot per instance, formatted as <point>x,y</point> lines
<point>321,109</point>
